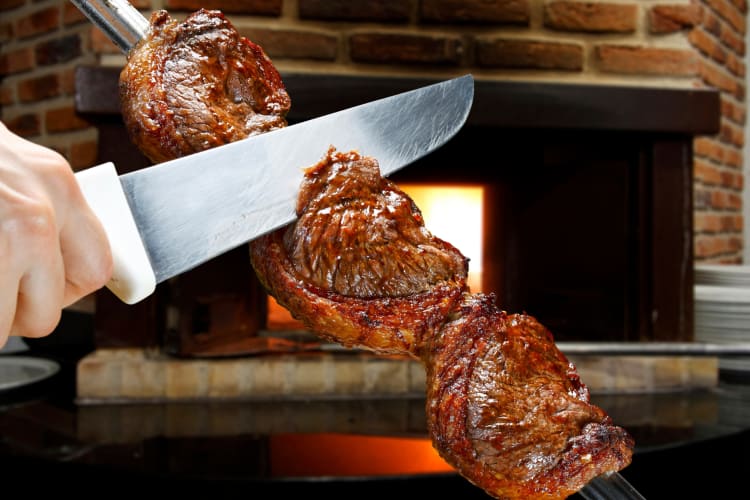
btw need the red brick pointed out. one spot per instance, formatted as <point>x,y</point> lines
<point>711,23</point>
<point>475,11</point>
<point>740,4</point>
<point>725,133</point>
<point>739,223</point>
<point>707,45</point>
<point>715,247</point>
<point>405,48</point>
<point>671,18</point>
<point>735,65</point>
<point>732,111</point>
<point>41,21</point>
<point>707,223</point>
<point>591,17</point>
<point>717,77</point>
<point>739,93</point>
<point>646,60</point>
<point>720,200</point>
<point>734,201</point>
<point>355,10</point>
<point>701,198</point>
<point>709,147</point>
<point>6,32</point>
<point>25,125</point>
<point>728,12</point>
<point>530,54</point>
<point>68,81</point>
<point>247,7</point>
<point>63,119</point>
<point>11,4</point>
<point>16,61</point>
<point>702,247</point>
<point>734,159</point>
<point>732,40</point>
<point>706,172</point>
<point>294,44</point>
<point>731,180</point>
<point>6,95</point>
<point>58,50</point>
<point>73,15</point>
<point>715,223</point>
<point>83,154</point>
<point>732,134</point>
<point>39,87</point>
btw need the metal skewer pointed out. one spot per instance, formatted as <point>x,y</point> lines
<point>118,19</point>
<point>610,486</point>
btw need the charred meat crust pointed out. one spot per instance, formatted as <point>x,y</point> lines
<point>358,267</point>
<point>507,409</point>
<point>192,85</point>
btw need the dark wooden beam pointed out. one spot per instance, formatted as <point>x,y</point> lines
<point>496,104</point>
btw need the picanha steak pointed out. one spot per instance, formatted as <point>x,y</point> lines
<point>505,407</point>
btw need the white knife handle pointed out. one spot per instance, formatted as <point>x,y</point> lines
<point>133,278</point>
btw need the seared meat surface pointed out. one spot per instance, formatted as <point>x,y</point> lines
<point>193,85</point>
<point>353,222</point>
<point>508,410</point>
<point>359,267</point>
<point>504,405</point>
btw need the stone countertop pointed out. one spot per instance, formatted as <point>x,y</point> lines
<point>137,375</point>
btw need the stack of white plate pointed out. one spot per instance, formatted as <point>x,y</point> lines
<point>722,308</point>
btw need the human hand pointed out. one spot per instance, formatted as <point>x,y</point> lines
<point>53,249</point>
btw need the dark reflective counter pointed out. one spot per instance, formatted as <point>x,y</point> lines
<point>688,443</point>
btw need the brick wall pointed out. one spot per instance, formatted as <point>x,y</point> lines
<point>680,44</point>
<point>42,42</point>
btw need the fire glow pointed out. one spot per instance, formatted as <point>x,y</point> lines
<point>453,213</point>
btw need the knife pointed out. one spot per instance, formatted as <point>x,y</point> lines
<point>166,219</point>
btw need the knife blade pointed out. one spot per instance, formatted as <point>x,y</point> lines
<point>166,219</point>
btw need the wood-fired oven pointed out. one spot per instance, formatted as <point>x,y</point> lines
<point>586,211</point>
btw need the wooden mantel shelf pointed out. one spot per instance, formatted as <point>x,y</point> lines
<point>513,104</point>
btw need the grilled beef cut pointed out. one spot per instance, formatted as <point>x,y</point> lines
<point>359,267</point>
<point>504,405</point>
<point>508,410</point>
<point>196,84</point>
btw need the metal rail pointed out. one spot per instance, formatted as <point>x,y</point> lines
<point>655,348</point>
<point>610,486</point>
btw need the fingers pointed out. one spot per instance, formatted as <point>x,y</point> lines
<point>86,255</point>
<point>32,273</point>
<point>9,286</point>
<point>44,271</point>
<point>53,250</point>
<point>40,299</point>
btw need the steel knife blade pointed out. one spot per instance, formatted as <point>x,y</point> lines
<point>166,219</point>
